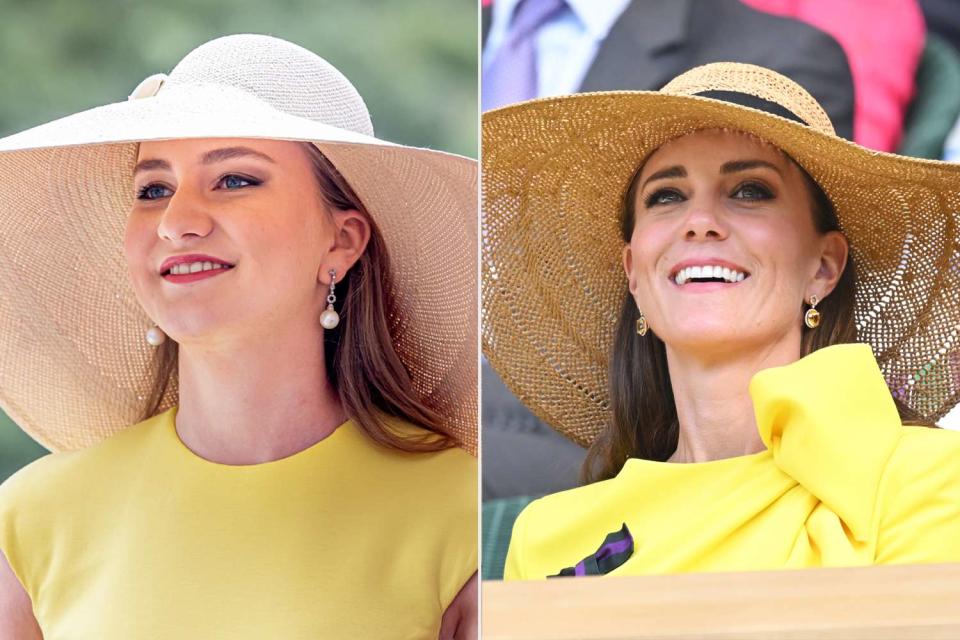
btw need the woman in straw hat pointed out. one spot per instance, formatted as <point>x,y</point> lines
<point>739,313</point>
<point>296,334</point>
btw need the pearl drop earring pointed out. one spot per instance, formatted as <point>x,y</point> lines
<point>155,336</point>
<point>329,319</point>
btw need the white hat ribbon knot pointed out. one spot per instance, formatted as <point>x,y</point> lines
<point>149,86</point>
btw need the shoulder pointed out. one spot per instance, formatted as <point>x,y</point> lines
<point>564,503</point>
<point>919,499</point>
<point>553,527</point>
<point>453,457</point>
<point>555,512</point>
<point>59,488</point>
<point>451,473</point>
<point>925,458</point>
<point>60,476</point>
<point>429,498</point>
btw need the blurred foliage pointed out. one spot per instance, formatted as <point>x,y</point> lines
<point>16,448</point>
<point>413,61</point>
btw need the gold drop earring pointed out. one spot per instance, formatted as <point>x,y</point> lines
<point>642,326</point>
<point>812,317</point>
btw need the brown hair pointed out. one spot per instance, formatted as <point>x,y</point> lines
<point>364,368</point>
<point>643,422</point>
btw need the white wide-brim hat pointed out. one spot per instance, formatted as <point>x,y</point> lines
<point>75,366</point>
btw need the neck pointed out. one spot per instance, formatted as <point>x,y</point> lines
<point>714,408</point>
<point>256,399</point>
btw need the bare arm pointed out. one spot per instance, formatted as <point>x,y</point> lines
<point>460,619</point>
<point>16,612</point>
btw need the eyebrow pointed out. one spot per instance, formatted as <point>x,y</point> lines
<point>210,157</point>
<point>735,166</point>
<point>675,171</point>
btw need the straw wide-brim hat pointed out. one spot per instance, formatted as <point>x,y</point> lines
<point>555,173</point>
<point>75,364</point>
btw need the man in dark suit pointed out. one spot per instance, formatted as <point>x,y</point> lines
<point>943,19</point>
<point>646,44</point>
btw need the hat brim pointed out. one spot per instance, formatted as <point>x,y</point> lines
<point>76,365</point>
<point>555,172</point>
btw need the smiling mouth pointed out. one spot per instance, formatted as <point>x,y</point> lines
<point>188,272</point>
<point>708,273</point>
<point>191,268</point>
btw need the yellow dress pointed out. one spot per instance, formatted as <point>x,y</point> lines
<point>841,483</point>
<point>138,537</point>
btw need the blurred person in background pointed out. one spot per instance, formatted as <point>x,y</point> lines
<point>233,260</point>
<point>951,150</point>
<point>883,41</point>
<point>538,48</point>
<point>943,18</point>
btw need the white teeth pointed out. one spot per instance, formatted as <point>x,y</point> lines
<point>708,271</point>
<point>194,267</point>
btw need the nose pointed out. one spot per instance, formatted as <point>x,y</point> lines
<point>705,221</point>
<point>184,216</point>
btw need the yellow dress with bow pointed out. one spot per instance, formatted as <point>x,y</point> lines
<point>841,483</point>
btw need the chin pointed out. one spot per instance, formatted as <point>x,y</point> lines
<point>732,338</point>
<point>191,326</point>
<point>712,335</point>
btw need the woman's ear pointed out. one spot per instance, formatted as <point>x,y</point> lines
<point>833,258</point>
<point>350,238</point>
<point>628,269</point>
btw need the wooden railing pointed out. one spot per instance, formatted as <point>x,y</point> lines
<point>906,602</point>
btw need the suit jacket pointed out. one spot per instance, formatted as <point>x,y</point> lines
<point>943,19</point>
<point>655,40</point>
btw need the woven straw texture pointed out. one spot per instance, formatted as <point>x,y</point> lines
<point>555,172</point>
<point>75,362</point>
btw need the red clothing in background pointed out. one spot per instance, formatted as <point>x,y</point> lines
<point>883,40</point>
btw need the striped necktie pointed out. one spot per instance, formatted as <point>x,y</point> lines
<point>512,74</point>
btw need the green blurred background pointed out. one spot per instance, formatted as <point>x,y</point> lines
<point>413,61</point>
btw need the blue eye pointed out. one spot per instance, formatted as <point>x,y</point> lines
<point>663,196</point>
<point>752,191</point>
<point>152,192</point>
<point>230,182</point>
<point>233,181</point>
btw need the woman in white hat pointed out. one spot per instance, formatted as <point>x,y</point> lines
<point>679,280</point>
<point>296,339</point>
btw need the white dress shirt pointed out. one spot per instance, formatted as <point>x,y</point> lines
<point>566,44</point>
